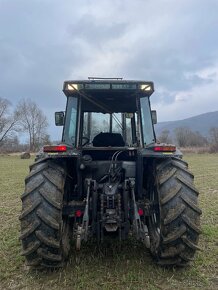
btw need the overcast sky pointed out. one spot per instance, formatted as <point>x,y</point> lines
<point>173,43</point>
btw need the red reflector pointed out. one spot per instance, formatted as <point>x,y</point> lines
<point>140,211</point>
<point>164,148</point>
<point>78,213</point>
<point>58,148</point>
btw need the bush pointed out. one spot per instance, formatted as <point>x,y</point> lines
<point>213,148</point>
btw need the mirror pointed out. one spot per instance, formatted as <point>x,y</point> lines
<point>154,116</point>
<point>59,118</point>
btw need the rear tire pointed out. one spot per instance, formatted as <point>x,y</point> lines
<point>44,233</point>
<point>175,230</point>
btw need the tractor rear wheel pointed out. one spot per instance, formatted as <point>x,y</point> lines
<point>175,230</point>
<point>44,232</point>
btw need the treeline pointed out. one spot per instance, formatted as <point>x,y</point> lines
<point>185,137</point>
<point>26,118</point>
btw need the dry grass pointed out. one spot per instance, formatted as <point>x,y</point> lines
<point>198,150</point>
<point>112,266</point>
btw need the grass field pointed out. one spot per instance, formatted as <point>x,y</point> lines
<point>112,266</point>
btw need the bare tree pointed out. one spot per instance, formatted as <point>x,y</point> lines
<point>33,121</point>
<point>195,139</point>
<point>213,139</point>
<point>186,137</point>
<point>165,137</point>
<point>181,134</point>
<point>8,121</point>
<point>214,135</point>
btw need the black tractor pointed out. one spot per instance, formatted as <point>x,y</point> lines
<point>109,179</point>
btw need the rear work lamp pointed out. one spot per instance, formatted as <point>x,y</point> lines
<point>72,87</point>
<point>145,87</point>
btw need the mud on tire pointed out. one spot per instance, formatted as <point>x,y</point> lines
<point>44,234</point>
<point>179,217</point>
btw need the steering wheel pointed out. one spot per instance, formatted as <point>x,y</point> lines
<point>86,141</point>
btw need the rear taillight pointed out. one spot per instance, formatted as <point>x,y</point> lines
<point>140,211</point>
<point>57,148</point>
<point>78,213</point>
<point>164,148</point>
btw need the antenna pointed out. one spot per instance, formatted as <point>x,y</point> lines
<point>99,78</point>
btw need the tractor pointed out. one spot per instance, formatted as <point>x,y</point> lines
<point>109,178</point>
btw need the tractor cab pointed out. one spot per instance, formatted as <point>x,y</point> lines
<point>108,113</point>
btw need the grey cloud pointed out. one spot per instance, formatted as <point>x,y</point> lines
<point>96,31</point>
<point>44,42</point>
<point>187,44</point>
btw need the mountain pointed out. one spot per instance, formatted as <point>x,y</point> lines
<point>201,123</point>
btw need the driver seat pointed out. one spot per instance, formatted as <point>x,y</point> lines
<point>108,139</point>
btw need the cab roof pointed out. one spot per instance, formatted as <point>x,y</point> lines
<point>108,86</point>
